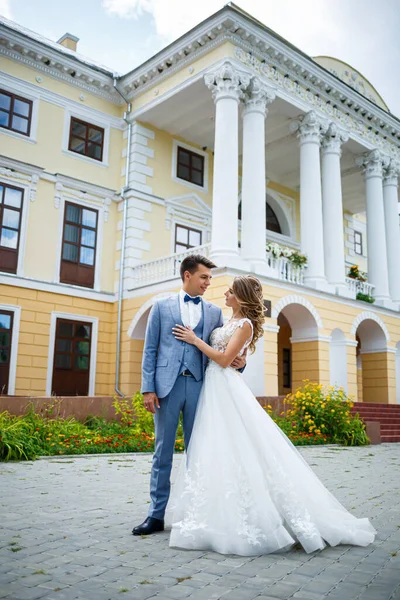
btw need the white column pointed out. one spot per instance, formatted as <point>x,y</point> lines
<point>391,208</point>
<point>227,84</point>
<point>373,163</point>
<point>332,209</point>
<point>310,130</point>
<point>253,175</point>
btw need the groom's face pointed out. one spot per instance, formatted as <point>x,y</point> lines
<point>195,284</point>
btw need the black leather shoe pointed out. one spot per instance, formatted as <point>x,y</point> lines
<point>149,526</point>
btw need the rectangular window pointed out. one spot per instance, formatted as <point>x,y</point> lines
<point>358,243</point>
<point>11,201</point>
<point>71,358</point>
<point>190,166</point>
<point>78,254</point>
<point>287,368</point>
<point>6,327</point>
<point>186,238</point>
<point>86,139</point>
<point>15,113</point>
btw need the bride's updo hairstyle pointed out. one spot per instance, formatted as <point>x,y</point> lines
<point>249,294</point>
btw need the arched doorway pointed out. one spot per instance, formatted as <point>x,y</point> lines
<point>301,351</point>
<point>338,359</point>
<point>373,358</point>
<point>132,346</point>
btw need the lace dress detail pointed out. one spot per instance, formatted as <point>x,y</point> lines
<point>243,488</point>
<point>219,339</point>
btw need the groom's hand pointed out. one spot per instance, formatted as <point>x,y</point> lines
<point>240,361</point>
<point>150,401</point>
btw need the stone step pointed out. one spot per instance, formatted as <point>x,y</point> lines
<point>390,439</point>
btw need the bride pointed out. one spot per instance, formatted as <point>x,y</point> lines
<point>243,488</point>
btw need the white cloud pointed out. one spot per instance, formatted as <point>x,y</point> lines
<point>295,20</point>
<point>5,9</point>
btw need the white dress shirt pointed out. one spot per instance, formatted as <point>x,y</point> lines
<point>190,312</point>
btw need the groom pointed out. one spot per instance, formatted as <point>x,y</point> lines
<point>172,375</point>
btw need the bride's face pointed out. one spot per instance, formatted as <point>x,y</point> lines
<point>230,299</point>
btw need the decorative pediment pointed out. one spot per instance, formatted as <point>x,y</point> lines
<point>74,189</point>
<point>189,207</point>
<point>22,174</point>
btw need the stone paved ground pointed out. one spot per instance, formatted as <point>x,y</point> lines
<point>66,534</point>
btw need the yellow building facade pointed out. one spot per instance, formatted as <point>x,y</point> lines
<point>229,143</point>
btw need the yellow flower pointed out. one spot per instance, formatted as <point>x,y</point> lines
<point>322,426</point>
<point>298,394</point>
<point>269,406</point>
<point>332,410</point>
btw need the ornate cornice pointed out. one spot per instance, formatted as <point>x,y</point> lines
<point>227,81</point>
<point>41,56</point>
<point>325,99</point>
<point>257,97</point>
<point>272,57</point>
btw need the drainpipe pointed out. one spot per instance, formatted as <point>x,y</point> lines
<point>122,258</point>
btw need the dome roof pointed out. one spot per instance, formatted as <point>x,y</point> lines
<point>352,77</point>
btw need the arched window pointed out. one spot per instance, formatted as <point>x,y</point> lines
<point>272,222</point>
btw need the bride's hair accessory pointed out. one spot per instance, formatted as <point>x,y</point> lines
<point>249,294</point>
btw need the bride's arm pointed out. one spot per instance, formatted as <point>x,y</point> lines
<point>223,359</point>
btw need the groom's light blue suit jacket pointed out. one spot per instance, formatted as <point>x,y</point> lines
<point>163,354</point>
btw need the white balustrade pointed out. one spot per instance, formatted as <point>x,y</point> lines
<point>363,287</point>
<point>282,268</point>
<point>166,267</point>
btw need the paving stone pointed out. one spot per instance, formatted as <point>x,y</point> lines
<point>86,548</point>
<point>282,590</point>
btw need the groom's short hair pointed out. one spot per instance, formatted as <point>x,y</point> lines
<point>191,263</point>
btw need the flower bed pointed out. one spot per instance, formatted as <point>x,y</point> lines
<point>318,415</point>
<point>313,416</point>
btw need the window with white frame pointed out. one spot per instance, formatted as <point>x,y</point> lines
<point>11,205</point>
<point>15,112</point>
<point>78,254</point>
<point>358,243</point>
<point>186,238</point>
<point>189,166</point>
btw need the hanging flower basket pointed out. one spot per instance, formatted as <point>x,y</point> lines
<point>298,260</point>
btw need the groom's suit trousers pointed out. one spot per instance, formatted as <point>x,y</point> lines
<point>182,398</point>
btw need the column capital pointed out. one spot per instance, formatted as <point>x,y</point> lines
<point>333,139</point>
<point>309,128</point>
<point>227,81</point>
<point>391,173</point>
<point>372,163</point>
<point>257,97</point>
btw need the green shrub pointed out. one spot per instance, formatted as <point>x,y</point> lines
<point>323,415</point>
<point>365,297</point>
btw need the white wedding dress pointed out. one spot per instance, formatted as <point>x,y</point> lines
<point>243,488</point>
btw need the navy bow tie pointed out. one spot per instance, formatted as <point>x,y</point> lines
<point>188,298</point>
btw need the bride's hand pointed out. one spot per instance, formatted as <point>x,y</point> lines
<point>184,334</point>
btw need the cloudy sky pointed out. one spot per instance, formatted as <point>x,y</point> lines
<point>123,33</point>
